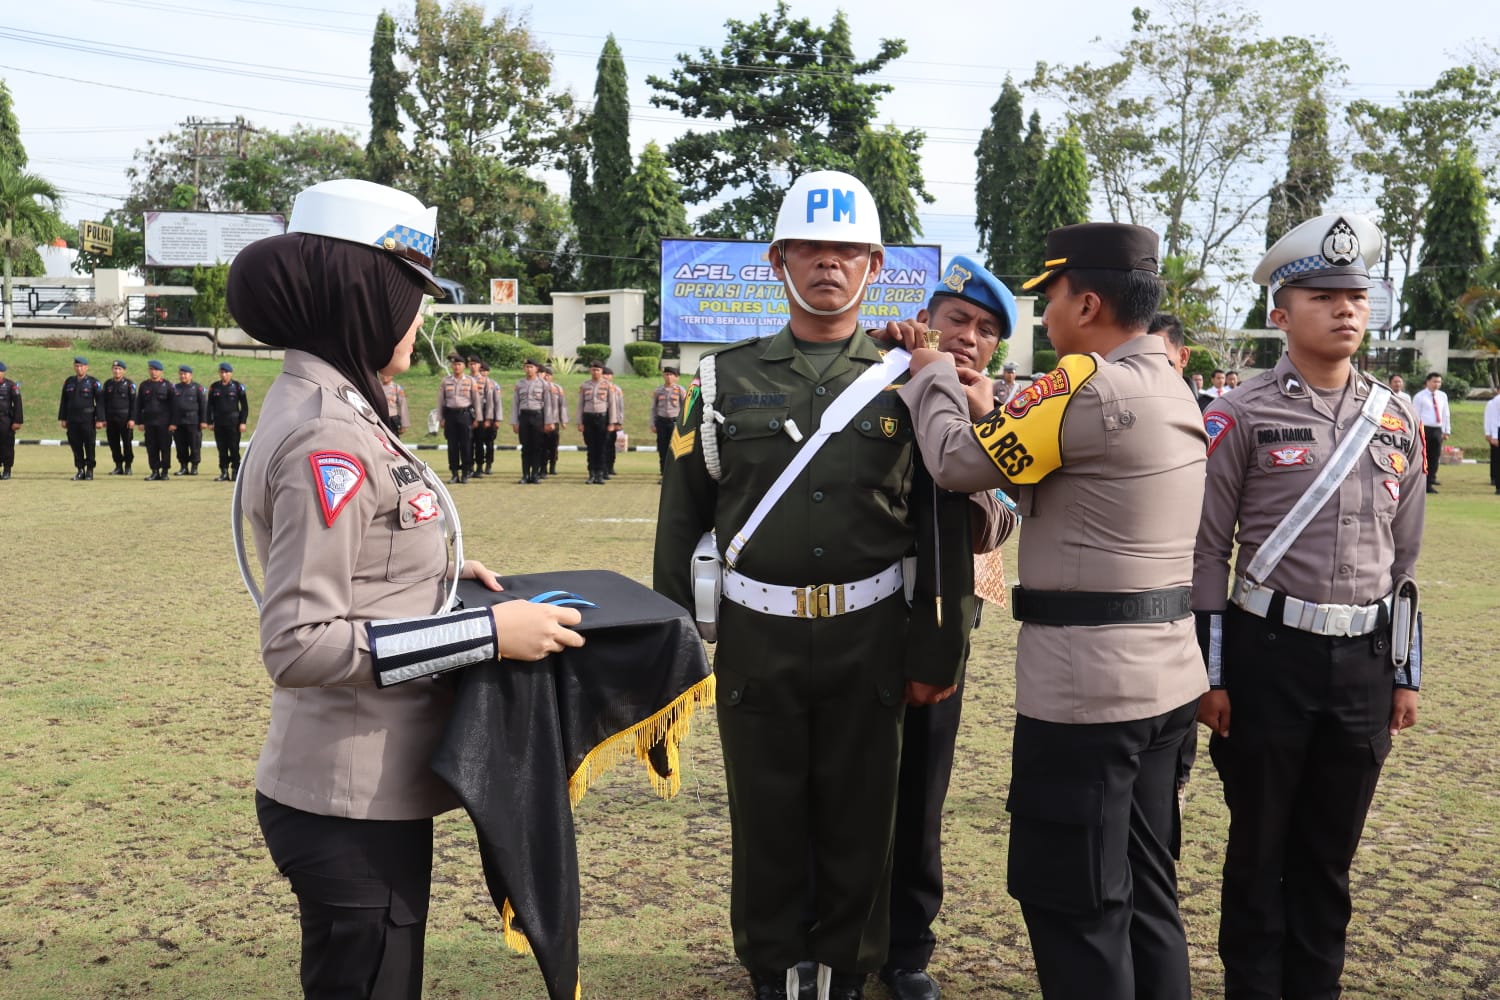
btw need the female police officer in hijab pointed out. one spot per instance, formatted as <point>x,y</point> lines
<point>356,627</point>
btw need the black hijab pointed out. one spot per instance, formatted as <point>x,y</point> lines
<point>348,304</point>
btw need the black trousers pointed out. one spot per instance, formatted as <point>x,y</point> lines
<point>484,446</point>
<point>1093,820</point>
<point>158,447</point>
<point>7,447</point>
<point>458,432</point>
<point>81,439</point>
<point>189,438</point>
<point>1433,437</point>
<point>927,744</point>
<point>1495,466</point>
<point>552,440</point>
<point>121,443</point>
<point>611,442</point>
<point>533,447</point>
<point>596,439</point>
<point>664,446</point>
<point>362,888</point>
<point>1308,736</point>
<point>227,440</point>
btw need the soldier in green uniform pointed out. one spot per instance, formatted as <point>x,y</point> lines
<point>813,670</point>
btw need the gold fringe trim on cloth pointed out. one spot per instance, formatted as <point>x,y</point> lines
<point>669,726</point>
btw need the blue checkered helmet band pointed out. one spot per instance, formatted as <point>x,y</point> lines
<point>412,244</point>
<point>1303,265</point>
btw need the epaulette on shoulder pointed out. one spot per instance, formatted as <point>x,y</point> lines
<point>737,344</point>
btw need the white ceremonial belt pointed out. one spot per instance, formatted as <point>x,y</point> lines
<point>822,600</point>
<point>1320,619</point>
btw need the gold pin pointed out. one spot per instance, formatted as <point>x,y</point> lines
<point>933,338</point>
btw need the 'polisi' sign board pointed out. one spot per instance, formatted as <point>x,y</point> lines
<point>720,291</point>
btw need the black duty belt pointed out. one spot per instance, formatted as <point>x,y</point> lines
<point>1083,607</point>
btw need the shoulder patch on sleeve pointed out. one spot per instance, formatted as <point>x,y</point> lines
<point>682,442</point>
<point>1024,438</point>
<point>1216,422</point>
<point>338,476</point>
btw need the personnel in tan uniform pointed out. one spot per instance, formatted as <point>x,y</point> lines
<point>397,418</point>
<point>1106,457</point>
<point>529,410</point>
<point>666,407</point>
<point>487,416</point>
<point>555,415</point>
<point>458,402</point>
<point>1315,657</point>
<point>594,405</point>
<point>616,422</point>
<point>351,545</point>
<point>1007,387</point>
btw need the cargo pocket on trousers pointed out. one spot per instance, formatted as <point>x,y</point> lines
<point>1057,845</point>
<point>1380,746</point>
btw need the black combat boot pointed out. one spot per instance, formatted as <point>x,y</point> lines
<point>118,470</point>
<point>127,469</point>
<point>222,477</point>
<point>194,470</point>
<point>78,475</point>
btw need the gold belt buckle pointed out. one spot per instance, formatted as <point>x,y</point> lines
<point>823,600</point>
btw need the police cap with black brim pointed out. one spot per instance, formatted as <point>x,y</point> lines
<point>1103,246</point>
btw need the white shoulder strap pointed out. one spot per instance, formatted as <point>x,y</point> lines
<point>1344,456</point>
<point>835,419</point>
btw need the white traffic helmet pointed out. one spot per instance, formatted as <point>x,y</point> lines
<point>374,215</point>
<point>829,205</point>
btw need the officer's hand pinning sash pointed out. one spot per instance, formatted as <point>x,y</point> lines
<point>1024,437</point>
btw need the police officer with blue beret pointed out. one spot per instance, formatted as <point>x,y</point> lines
<point>119,418</point>
<point>153,412</point>
<point>11,419</point>
<point>189,418</point>
<point>80,411</point>
<point>228,410</point>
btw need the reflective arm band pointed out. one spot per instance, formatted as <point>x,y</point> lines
<point>407,648</point>
<point>1211,641</point>
<point>1410,675</point>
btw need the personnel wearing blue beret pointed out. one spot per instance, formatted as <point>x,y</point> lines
<point>80,411</point>
<point>189,420</point>
<point>153,413</point>
<point>228,409</point>
<point>119,418</point>
<point>973,312</point>
<point>11,418</point>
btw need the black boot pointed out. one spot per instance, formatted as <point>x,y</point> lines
<point>127,469</point>
<point>234,473</point>
<point>78,475</point>
<point>5,474</point>
<point>222,477</point>
<point>194,470</point>
<point>118,470</point>
<point>88,474</point>
<point>181,471</point>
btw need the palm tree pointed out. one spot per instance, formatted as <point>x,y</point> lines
<point>23,215</point>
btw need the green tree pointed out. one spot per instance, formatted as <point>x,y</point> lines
<point>1404,143</point>
<point>1452,245</point>
<point>385,158</point>
<point>791,97</point>
<point>654,210</point>
<point>1180,127</point>
<point>1060,198</point>
<point>211,304</point>
<point>1307,185</point>
<point>12,150</point>
<point>598,192</point>
<point>26,207</point>
<point>889,161</point>
<point>1004,177</point>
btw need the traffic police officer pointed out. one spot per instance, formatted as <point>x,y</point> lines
<point>458,399</point>
<point>1313,648</point>
<point>666,408</point>
<point>229,410</point>
<point>12,416</point>
<point>189,419</point>
<point>594,404</point>
<point>529,405</point>
<point>398,419</point>
<point>81,411</point>
<point>974,312</point>
<point>119,418</point>
<point>1106,453</point>
<point>555,417</point>
<point>811,679</point>
<point>153,411</point>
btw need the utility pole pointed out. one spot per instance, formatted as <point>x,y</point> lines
<point>208,144</point>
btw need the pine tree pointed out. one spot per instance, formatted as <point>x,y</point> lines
<point>1060,197</point>
<point>888,162</point>
<point>1452,244</point>
<point>652,208</point>
<point>603,231</point>
<point>12,151</point>
<point>1002,186</point>
<point>1308,183</point>
<point>384,156</point>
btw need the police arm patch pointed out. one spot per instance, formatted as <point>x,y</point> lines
<point>338,476</point>
<point>1024,438</point>
<point>1216,422</point>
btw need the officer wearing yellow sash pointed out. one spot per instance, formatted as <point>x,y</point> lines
<point>1105,455</point>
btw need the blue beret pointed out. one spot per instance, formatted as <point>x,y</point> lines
<point>225,366</point>
<point>2,366</point>
<point>80,360</point>
<point>118,363</point>
<point>185,368</point>
<point>968,280</point>
<point>153,363</point>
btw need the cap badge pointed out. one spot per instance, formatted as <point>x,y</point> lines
<point>957,278</point>
<point>1341,246</point>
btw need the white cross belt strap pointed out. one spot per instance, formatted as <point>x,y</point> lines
<point>824,600</point>
<point>1320,619</point>
<point>1344,456</point>
<point>834,419</point>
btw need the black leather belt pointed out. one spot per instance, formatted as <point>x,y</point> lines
<point>1083,607</point>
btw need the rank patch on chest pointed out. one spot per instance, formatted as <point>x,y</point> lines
<point>338,477</point>
<point>1284,457</point>
<point>1392,487</point>
<point>888,426</point>
<point>424,506</point>
<point>1216,423</point>
<point>1398,462</point>
<point>1391,422</point>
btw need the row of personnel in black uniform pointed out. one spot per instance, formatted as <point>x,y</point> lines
<point>167,412</point>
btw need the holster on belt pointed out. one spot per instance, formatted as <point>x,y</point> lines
<point>707,573</point>
<point>1403,620</point>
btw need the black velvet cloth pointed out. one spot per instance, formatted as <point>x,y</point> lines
<point>520,731</point>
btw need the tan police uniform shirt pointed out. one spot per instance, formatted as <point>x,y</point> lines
<point>395,404</point>
<point>616,405</point>
<point>530,395</point>
<point>1117,515</point>
<point>487,406</point>
<point>593,397</point>
<point>1268,440</point>
<point>556,410</point>
<point>458,392</point>
<point>666,403</point>
<point>345,532</point>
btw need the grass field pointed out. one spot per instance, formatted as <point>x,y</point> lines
<point>134,705</point>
